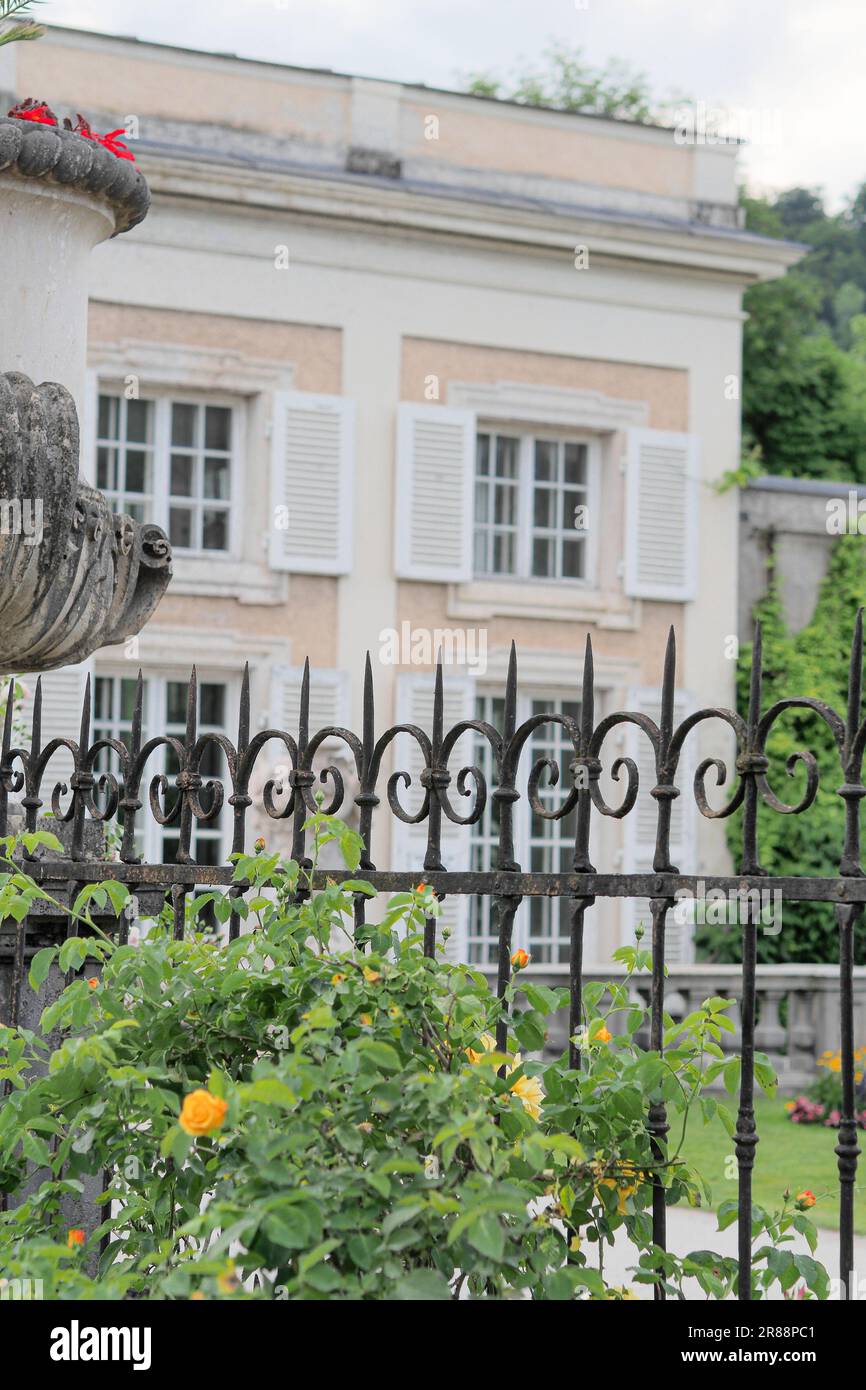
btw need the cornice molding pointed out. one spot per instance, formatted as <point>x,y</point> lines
<point>395,210</point>
<point>548,405</point>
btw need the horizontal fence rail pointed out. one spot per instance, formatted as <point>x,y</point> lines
<point>187,798</point>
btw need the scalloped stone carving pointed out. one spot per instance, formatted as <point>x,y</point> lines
<point>74,576</point>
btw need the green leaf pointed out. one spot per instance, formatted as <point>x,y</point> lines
<point>269,1090</point>
<point>423,1285</point>
<point>40,966</point>
<point>486,1235</point>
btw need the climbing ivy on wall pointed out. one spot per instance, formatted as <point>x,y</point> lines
<point>812,662</point>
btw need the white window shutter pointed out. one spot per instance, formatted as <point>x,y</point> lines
<point>435,487</point>
<point>640,823</point>
<point>62,700</point>
<point>661,515</point>
<point>88,427</point>
<point>312,483</point>
<point>330,694</point>
<point>414,705</point>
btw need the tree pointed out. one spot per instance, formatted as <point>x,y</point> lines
<point>812,662</point>
<point>566,82</point>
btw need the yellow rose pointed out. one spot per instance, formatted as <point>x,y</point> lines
<point>528,1089</point>
<point>488,1044</point>
<point>366,1020</point>
<point>202,1113</point>
<point>371,976</point>
<point>603,1035</point>
<point>337,979</point>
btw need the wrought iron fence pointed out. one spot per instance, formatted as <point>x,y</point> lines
<point>91,795</point>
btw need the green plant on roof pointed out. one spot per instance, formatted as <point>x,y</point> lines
<point>19,10</point>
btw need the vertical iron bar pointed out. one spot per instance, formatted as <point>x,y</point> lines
<point>847,1149</point>
<point>589,770</point>
<point>5,761</point>
<point>240,798</point>
<point>664,793</point>
<point>431,779</point>
<point>130,803</point>
<point>752,763</point>
<point>506,794</point>
<point>852,791</point>
<point>366,800</point>
<point>657,1120</point>
<point>82,779</point>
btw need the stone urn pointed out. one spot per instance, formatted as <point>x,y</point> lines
<point>74,576</point>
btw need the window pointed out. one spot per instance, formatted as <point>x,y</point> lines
<point>164,711</point>
<point>532,506</point>
<point>170,462</point>
<point>542,925</point>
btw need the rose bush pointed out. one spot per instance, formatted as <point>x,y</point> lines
<point>286,1116</point>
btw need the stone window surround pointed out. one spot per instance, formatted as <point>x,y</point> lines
<point>559,408</point>
<point>215,373</point>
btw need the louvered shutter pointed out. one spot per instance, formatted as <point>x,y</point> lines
<point>409,842</point>
<point>62,699</point>
<point>312,481</point>
<point>640,823</point>
<point>435,483</point>
<point>329,698</point>
<point>661,515</point>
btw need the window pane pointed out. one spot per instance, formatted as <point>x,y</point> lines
<point>480,558</point>
<point>506,506</point>
<point>482,494</point>
<point>215,531</point>
<point>181,475</point>
<point>183,425</point>
<point>137,471</point>
<point>575,463</point>
<point>503,554</point>
<point>217,426</point>
<point>127,698</point>
<point>482,453</point>
<point>545,460</point>
<point>572,559</point>
<point>106,468</point>
<point>180,527</point>
<point>506,456</point>
<point>175,702</point>
<point>139,511</point>
<point>102,698</point>
<point>109,415</point>
<point>138,421</point>
<point>542,558</point>
<point>216,478</point>
<point>212,703</point>
<point>544,507</point>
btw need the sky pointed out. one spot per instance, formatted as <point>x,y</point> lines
<point>787,74</point>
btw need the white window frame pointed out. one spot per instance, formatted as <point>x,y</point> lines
<point>154,724</point>
<point>525,503</point>
<point>163,399</point>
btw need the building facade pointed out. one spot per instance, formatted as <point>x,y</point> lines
<point>397,369</point>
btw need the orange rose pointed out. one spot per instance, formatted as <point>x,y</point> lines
<point>75,1237</point>
<point>202,1113</point>
<point>805,1200</point>
<point>371,976</point>
<point>603,1035</point>
<point>94,982</point>
<point>520,959</point>
<point>260,845</point>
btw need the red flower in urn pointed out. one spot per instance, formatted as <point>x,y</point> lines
<point>40,112</point>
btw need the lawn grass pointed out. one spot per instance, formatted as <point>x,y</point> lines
<point>788,1155</point>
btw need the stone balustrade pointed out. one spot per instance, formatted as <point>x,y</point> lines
<point>797,1008</point>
